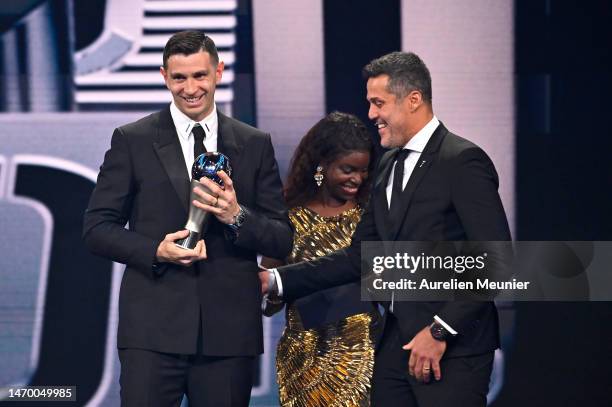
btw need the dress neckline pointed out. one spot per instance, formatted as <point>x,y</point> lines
<point>356,208</point>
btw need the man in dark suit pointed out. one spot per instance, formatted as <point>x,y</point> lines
<point>189,320</point>
<point>431,186</point>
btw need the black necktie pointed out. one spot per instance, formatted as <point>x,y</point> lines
<point>199,135</point>
<point>398,180</point>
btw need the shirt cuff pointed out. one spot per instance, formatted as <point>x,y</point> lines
<point>275,280</point>
<point>445,325</point>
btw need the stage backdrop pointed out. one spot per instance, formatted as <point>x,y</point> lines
<point>71,71</point>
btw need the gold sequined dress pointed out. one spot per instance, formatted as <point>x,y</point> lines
<point>331,365</point>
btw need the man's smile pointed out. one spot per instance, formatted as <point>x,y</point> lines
<point>380,125</point>
<point>192,99</point>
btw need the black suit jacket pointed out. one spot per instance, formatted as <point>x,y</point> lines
<point>144,182</point>
<point>451,195</point>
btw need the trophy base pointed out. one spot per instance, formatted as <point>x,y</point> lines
<point>190,241</point>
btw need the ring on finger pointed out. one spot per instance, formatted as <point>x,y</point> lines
<point>216,201</point>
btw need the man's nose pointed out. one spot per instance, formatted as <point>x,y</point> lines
<point>372,114</point>
<point>190,86</point>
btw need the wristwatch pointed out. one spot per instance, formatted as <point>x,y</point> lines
<point>238,219</point>
<point>438,331</point>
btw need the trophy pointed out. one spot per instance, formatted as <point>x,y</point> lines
<point>206,165</point>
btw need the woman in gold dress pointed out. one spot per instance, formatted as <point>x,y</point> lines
<point>322,360</point>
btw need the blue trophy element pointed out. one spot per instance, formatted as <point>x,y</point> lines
<point>208,164</point>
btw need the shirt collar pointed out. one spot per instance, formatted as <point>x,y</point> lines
<point>184,124</point>
<point>419,141</point>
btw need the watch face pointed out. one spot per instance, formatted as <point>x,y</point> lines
<point>240,217</point>
<point>438,331</point>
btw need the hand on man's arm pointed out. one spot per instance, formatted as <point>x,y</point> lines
<point>272,301</point>
<point>264,278</point>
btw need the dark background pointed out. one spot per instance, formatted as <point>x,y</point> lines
<point>563,351</point>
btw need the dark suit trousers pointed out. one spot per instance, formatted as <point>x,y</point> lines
<point>154,379</point>
<point>464,383</point>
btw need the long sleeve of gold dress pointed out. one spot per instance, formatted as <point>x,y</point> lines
<point>330,365</point>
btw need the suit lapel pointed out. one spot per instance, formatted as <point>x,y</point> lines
<point>227,143</point>
<point>168,149</point>
<point>422,166</point>
<point>381,205</point>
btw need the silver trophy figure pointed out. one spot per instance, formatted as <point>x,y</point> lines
<point>206,165</point>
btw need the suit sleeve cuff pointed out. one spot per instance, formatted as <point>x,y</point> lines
<point>445,325</point>
<point>158,268</point>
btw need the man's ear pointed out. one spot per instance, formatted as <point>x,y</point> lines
<point>164,73</point>
<point>219,71</point>
<point>415,100</point>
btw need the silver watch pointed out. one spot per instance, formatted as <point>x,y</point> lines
<point>238,218</point>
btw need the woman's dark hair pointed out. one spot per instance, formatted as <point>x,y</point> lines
<point>335,135</point>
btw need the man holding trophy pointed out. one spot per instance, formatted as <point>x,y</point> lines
<point>202,195</point>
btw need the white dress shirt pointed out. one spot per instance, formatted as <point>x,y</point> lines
<point>416,145</point>
<point>184,126</point>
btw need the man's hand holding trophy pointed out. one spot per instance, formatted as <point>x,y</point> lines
<point>211,192</point>
<point>216,194</point>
